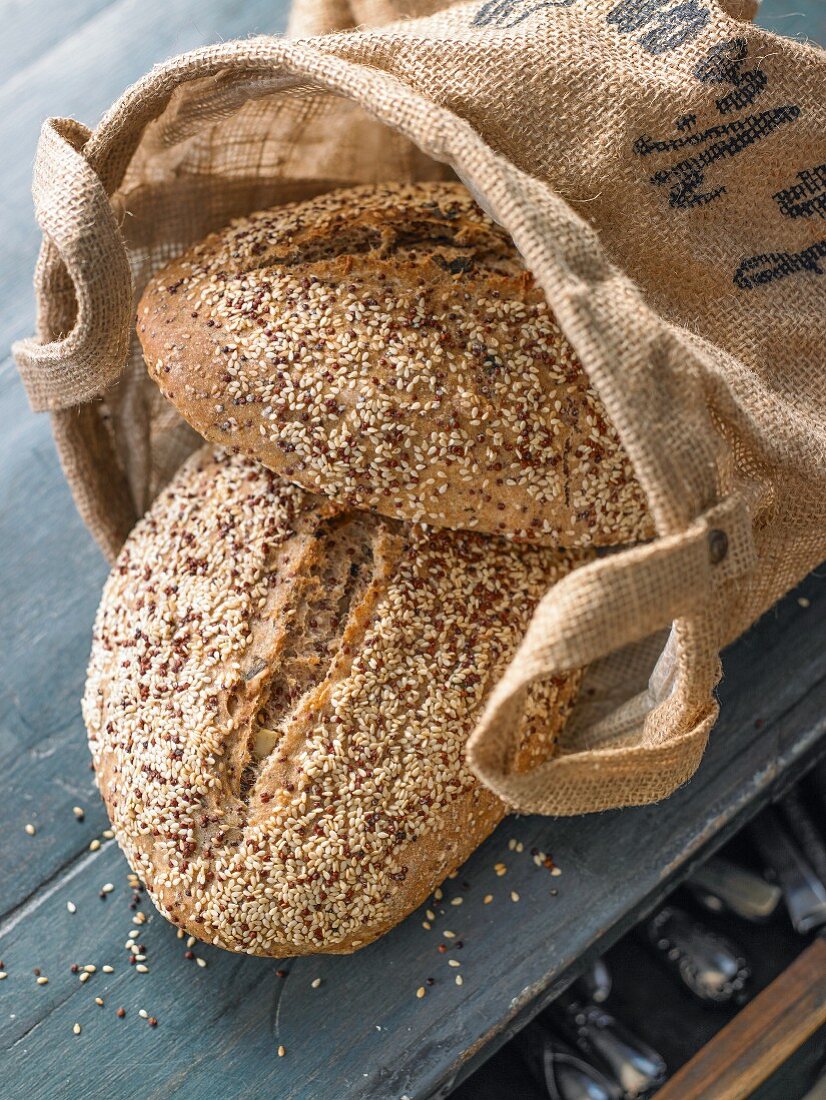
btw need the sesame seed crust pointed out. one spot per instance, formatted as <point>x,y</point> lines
<point>278,699</point>
<point>386,347</point>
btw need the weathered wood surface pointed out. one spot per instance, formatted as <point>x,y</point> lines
<point>362,1032</point>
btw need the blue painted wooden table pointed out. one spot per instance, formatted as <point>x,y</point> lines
<point>361,1032</point>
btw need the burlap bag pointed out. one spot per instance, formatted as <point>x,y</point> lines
<point>661,166</point>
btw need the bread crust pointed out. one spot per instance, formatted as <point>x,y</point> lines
<point>386,347</point>
<point>278,699</point>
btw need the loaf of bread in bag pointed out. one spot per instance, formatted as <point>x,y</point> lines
<point>278,700</point>
<point>385,346</point>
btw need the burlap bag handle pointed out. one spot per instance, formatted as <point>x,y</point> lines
<point>598,609</point>
<point>82,242</point>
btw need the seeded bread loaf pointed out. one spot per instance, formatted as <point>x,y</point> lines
<point>278,699</point>
<point>386,347</point>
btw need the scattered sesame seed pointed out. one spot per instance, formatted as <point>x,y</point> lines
<point>107,888</point>
<point>70,905</point>
<point>108,834</point>
<point>142,969</point>
<point>459,979</point>
<point>500,869</point>
<point>78,812</point>
<point>514,896</point>
<point>144,1015</point>
<point>453,962</point>
<point>85,977</point>
<point>42,980</point>
<point>426,925</point>
<point>803,601</point>
<point>430,914</point>
<point>3,974</point>
<point>201,962</point>
<point>315,983</point>
<point>90,968</point>
<point>76,1029</point>
<point>30,829</point>
<point>449,935</point>
<point>487,899</point>
<point>94,845</point>
<point>420,992</point>
<point>556,871</point>
<point>108,969</point>
<point>99,1001</point>
<point>282,1051</point>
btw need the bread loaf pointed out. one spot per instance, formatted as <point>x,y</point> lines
<point>386,347</point>
<point>278,699</point>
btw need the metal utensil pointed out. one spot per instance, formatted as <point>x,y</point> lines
<point>805,832</point>
<point>595,984</point>
<point>710,966</point>
<point>559,1070</point>
<point>803,893</point>
<point>609,1045</point>
<point>722,886</point>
